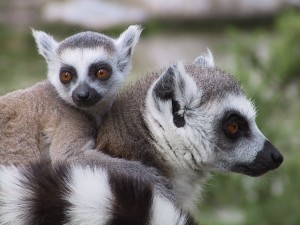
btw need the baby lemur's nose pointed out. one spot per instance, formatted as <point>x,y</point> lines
<point>83,95</point>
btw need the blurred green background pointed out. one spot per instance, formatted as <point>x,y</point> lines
<point>263,53</point>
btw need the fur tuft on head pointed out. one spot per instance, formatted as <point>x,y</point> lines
<point>205,60</point>
<point>46,44</point>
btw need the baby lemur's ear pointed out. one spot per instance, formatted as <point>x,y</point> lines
<point>205,60</point>
<point>126,42</point>
<point>46,44</point>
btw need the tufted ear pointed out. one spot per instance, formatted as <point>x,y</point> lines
<point>175,85</point>
<point>126,42</point>
<point>205,60</point>
<point>46,45</point>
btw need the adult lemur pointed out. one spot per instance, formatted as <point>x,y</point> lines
<point>187,121</point>
<point>58,119</point>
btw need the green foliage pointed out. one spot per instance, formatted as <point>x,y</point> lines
<point>285,52</point>
<point>19,61</point>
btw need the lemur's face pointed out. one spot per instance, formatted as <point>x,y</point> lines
<point>88,68</point>
<point>201,119</point>
<point>236,143</point>
<point>85,76</point>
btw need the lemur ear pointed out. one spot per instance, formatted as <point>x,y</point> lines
<point>165,86</point>
<point>175,85</point>
<point>175,82</point>
<point>46,44</point>
<point>126,42</point>
<point>205,60</point>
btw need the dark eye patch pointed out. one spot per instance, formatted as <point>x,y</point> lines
<point>70,69</point>
<point>95,67</point>
<point>234,125</point>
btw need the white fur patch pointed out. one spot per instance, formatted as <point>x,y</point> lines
<point>246,152</point>
<point>173,142</point>
<point>13,195</point>
<point>158,111</point>
<point>241,104</point>
<point>165,213</point>
<point>82,58</point>
<point>91,197</point>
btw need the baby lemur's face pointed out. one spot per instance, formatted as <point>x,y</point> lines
<point>88,68</point>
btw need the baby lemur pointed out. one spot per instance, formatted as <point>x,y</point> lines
<point>58,118</point>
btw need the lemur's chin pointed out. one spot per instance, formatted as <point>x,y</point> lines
<point>251,170</point>
<point>85,105</point>
<point>92,101</point>
<point>269,158</point>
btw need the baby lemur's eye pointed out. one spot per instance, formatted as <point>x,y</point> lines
<point>65,77</point>
<point>103,74</point>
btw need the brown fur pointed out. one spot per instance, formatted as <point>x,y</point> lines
<point>32,118</point>
<point>123,133</point>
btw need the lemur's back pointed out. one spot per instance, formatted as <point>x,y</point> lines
<point>28,120</point>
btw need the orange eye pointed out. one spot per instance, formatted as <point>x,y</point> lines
<point>233,128</point>
<point>102,74</point>
<point>65,77</point>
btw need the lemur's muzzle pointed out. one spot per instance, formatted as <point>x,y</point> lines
<point>85,96</point>
<point>267,159</point>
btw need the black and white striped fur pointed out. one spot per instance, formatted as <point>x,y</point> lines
<point>83,194</point>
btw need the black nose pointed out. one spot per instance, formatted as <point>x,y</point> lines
<point>83,95</point>
<point>277,158</point>
<point>271,153</point>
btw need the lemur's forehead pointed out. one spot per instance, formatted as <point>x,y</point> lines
<point>87,40</point>
<point>213,82</point>
<point>239,103</point>
<point>83,58</point>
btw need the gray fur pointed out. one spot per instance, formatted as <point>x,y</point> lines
<point>88,39</point>
<point>214,82</point>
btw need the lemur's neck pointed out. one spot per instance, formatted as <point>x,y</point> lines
<point>124,133</point>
